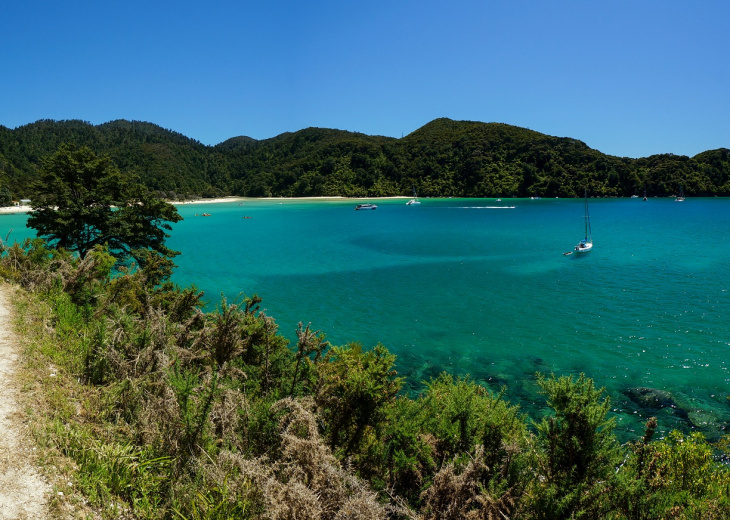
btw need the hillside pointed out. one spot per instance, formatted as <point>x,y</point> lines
<point>443,158</point>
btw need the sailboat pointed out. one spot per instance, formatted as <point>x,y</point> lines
<point>414,200</point>
<point>586,244</point>
<point>680,197</point>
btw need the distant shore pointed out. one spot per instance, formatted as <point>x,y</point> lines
<point>28,209</point>
<point>244,199</point>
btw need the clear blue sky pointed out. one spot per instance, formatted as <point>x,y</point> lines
<point>629,78</point>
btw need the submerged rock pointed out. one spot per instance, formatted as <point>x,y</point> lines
<point>654,399</point>
<point>711,424</point>
<point>650,397</point>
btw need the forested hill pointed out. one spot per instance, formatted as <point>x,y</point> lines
<point>443,158</point>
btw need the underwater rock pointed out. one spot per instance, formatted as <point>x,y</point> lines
<point>650,397</point>
<point>711,424</point>
<point>701,419</point>
<point>655,399</point>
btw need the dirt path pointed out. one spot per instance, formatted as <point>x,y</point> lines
<point>23,492</point>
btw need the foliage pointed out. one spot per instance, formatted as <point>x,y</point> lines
<point>353,389</point>
<point>83,201</point>
<point>576,449</point>
<point>676,477</point>
<point>460,494</point>
<point>309,343</point>
<point>476,431</point>
<point>443,158</point>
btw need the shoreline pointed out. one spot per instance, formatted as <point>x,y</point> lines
<point>10,210</point>
<point>244,199</point>
<point>13,210</point>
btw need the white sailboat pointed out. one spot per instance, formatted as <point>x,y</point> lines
<point>414,200</point>
<point>586,244</point>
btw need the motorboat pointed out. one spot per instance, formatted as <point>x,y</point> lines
<point>365,206</point>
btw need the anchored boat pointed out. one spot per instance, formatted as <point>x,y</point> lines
<point>586,244</point>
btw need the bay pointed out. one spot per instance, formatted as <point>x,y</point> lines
<point>474,286</point>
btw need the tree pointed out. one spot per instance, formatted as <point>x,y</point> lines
<point>6,198</point>
<point>82,201</point>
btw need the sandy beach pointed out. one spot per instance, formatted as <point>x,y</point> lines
<point>244,199</point>
<point>206,201</point>
<point>14,209</point>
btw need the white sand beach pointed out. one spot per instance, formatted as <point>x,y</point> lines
<point>206,201</point>
<point>14,209</point>
<point>282,199</point>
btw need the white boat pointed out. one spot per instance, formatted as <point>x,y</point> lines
<point>680,197</point>
<point>414,200</point>
<point>365,206</point>
<point>586,244</point>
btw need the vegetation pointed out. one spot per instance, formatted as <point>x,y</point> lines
<point>82,201</point>
<point>156,410</point>
<point>443,158</point>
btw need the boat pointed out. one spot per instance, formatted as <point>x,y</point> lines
<point>414,200</point>
<point>680,197</point>
<point>586,244</point>
<point>365,206</point>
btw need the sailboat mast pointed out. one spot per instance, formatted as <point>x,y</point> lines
<point>585,245</point>
<point>587,216</point>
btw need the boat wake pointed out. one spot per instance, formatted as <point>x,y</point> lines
<point>486,207</point>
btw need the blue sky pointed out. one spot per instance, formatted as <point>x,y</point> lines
<point>629,78</point>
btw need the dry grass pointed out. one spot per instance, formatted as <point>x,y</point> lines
<point>305,482</point>
<point>459,495</point>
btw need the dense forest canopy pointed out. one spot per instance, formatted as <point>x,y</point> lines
<point>443,158</point>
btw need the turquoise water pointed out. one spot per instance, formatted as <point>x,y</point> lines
<point>467,286</point>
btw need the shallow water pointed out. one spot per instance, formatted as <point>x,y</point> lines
<point>469,286</point>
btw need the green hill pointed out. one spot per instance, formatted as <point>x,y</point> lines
<point>443,158</point>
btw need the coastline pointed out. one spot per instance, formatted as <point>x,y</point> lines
<point>10,210</point>
<point>244,199</point>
